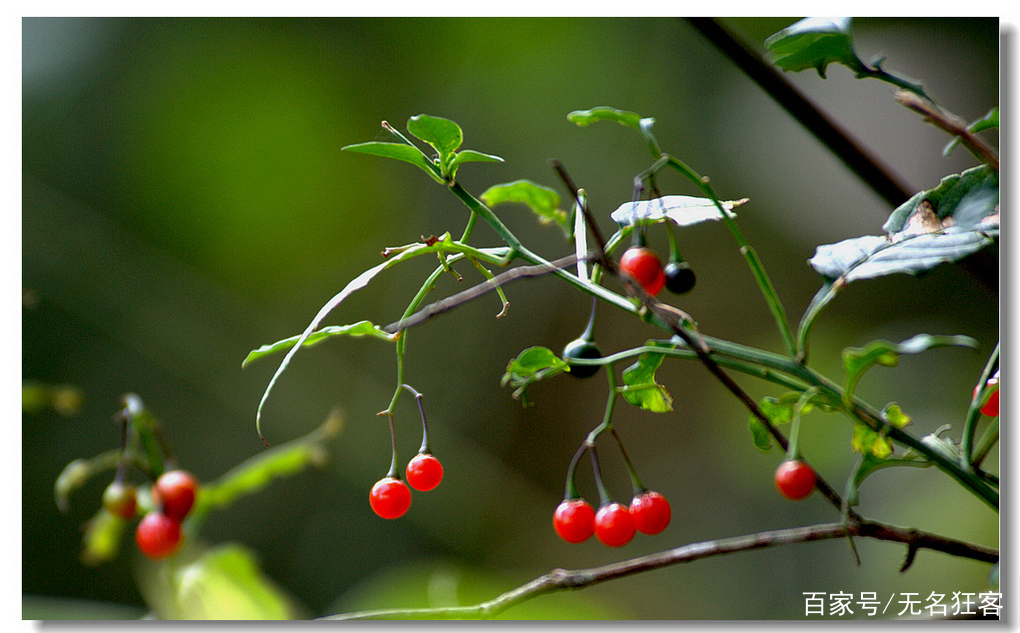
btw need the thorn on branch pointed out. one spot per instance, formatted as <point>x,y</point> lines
<point>909,560</point>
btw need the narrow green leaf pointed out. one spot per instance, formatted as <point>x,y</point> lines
<point>543,201</point>
<point>814,43</point>
<point>858,360</point>
<point>258,471</point>
<point>640,388</point>
<point>988,122</point>
<point>582,118</point>
<point>444,243</point>
<point>398,151</point>
<point>361,328</point>
<point>471,156</point>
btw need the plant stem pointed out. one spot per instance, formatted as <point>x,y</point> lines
<point>560,579</point>
<point>967,455</point>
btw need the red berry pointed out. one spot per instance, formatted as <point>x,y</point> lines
<point>991,406</point>
<point>574,520</point>
<point>158,535</point>
<point>390,498</point>
<point>120,499</point>
<point>651,512</point>
<point>613,525</point>
<point>795,479</point>
<point>645,267</point>
<point>174,491</point>
<point>424,472</point>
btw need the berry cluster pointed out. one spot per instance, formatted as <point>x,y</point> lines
<point>390,498</point>
<point>172,495</point>
<point>643,265</point>
<point>614,524</point>
<point>158,534</point>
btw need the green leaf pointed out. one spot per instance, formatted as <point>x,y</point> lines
<point>779,411</point>
<point>582,118</point>
<point>103,534</point>
<point>258,471</point>
<point>988,122</point>
<point>683,210</point>
<point>543,201</point>
<point>399,151</point>
<point>443,244</point>
<point>528,363</point>
<point>640,388</point>
<point>869,464</point>
<point>814,43</point>
<point>949,222</point>
<point>225,583</point>
<point>442,134</point>
<point>361,328</point>
<point>866,440</point>
<point>869,257</point>
<point>857,360</point>
<point>471,156</point>
<point>967,200</point>
<point>759,434</point>
<point>956,219</point>
<point>531,365</point>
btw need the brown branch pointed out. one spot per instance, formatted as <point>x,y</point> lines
<point>951,124</point>
<point>672,320</point>
<point>445,305</point>
<point>559,579</point>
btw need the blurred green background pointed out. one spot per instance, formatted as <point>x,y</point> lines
<point>186,201</point>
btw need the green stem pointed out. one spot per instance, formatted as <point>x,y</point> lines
<point>967,455</point>
<point>518,250</point>
<point>746,250</point>
<point>570,491</point>
<point>394,471</point>
<point>638,485</point>
<point>787,365</point>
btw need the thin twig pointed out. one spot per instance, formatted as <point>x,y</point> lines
<point>669,318</point>
<point>574,579</point>
<point>451,302</point>
<point>950,123</point>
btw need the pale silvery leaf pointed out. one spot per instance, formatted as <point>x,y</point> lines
<point>684,210</point>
